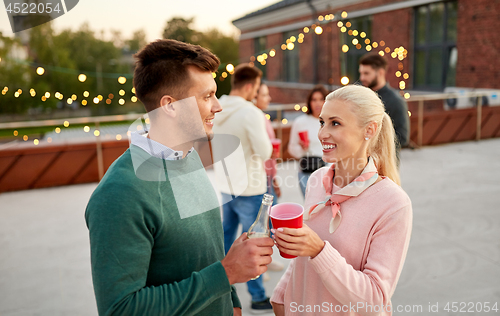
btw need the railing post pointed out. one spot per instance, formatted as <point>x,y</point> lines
<point>479,120</point>
<point>420,127</point>
<point>98,144</point>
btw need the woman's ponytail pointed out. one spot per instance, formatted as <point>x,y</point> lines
<point>383,150</point>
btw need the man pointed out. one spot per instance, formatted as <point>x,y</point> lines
<point>156,248</point>
<point>372,70</point>
<point>242,178</point>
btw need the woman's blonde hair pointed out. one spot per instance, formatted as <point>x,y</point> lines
<point>368,107</point>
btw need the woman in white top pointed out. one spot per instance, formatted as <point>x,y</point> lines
<point>309,153</point>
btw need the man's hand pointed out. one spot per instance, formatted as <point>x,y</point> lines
<point>236,311</point>
<point>247,258</point>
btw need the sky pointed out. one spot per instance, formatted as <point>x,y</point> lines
<point>150,15</point>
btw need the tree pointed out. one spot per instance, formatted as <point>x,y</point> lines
<point>180,29</point>
<point>137,41</point>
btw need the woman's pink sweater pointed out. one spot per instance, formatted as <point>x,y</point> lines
<point>357,271</point>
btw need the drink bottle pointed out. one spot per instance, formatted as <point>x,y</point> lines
<point>260,228</point>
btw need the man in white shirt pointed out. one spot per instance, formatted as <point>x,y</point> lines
<point>241,176</point>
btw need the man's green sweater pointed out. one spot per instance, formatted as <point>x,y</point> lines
<point>155,245</point>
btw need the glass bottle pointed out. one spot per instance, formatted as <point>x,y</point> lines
<point>260,228</point>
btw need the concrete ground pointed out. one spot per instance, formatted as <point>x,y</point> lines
<point>454,254</point>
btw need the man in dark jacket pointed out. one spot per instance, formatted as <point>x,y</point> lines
<point>372,71</point>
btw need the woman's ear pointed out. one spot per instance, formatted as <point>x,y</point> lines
<point>166,105</point>
<point>371,130</point>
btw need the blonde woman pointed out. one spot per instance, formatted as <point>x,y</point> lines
<point>357,226</point>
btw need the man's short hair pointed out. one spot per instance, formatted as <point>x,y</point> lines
<point>243,74</point>
<point>374,60</point>
<point>161,68</point>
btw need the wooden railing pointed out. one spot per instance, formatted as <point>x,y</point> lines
<point>24,165</point>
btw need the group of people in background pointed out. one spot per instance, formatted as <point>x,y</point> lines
<point>158,243</point>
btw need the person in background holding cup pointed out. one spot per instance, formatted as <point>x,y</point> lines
<point>309,152</point>
<point>354,241</point>
<point>262,102</point>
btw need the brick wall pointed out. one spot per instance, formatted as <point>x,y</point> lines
<point>478,44</point>
<point>478,47</point>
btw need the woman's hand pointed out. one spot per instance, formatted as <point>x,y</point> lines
<point>302,242</point>
<point>278,309</point>
<point>304,145</point>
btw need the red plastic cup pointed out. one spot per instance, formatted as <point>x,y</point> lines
<point>304,136</point>
<point>287,215</point>
<point>276,146</point>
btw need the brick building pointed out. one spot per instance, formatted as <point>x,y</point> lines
<point>441,43</point>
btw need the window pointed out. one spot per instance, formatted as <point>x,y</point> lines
<point>435,57</point>
<point>350,59</point>
<point>260,48</point>
<point>291,60</point>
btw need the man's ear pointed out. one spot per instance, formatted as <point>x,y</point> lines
<point>381,72</point>
<point>166,105</point>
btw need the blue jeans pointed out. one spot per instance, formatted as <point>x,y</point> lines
<point>303,177</point>
<point>244,210</point>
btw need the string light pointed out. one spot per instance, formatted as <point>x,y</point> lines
<point>296,107</point>
<point>36,142</point>
<point>284,121</point>
<point>344,15</point>
<point>40,71</point>
<point>304,109</point>
<point>86,129</point>
<point>122,80</point>
<point>82,77</point>
<point>318,30</point>
<point>121,92</point>
<point>121,101</point>
<point>57,130</point>
<point>230,68</point>
<point>133,99</point>
<point>97,133</point>
<point>66,123</point>
<point>344,80</point>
